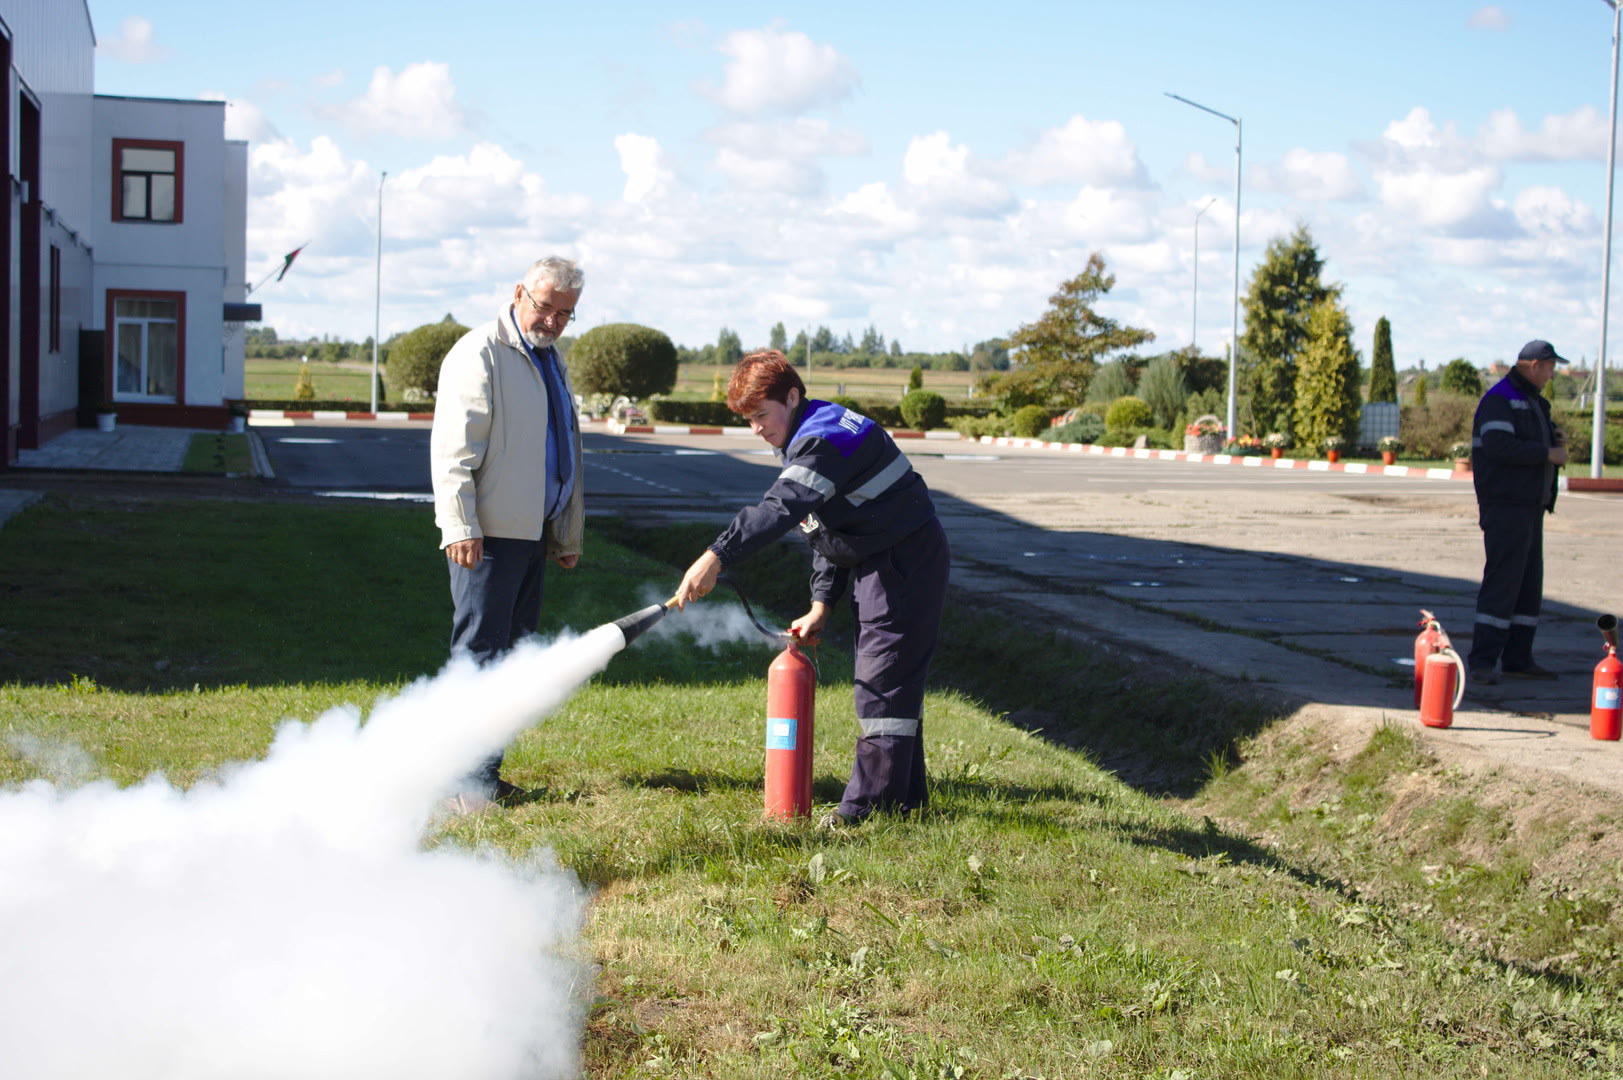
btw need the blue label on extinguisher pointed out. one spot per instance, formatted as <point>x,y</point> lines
<point>1606,697</point>
<point>780,733</point>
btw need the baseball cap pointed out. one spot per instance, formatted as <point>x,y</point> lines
<point>1539,349</point>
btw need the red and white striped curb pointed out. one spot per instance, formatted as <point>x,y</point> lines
<point>272,416</point>
<point>1568,483</point>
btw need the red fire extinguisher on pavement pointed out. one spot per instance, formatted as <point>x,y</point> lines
<point>791,689</point>
<point>1432,639</point>
<point>1439,674</point>
<point>1606,699</point>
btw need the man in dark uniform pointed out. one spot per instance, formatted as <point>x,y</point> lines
<point>870,523</point>
<point>1516,453</point>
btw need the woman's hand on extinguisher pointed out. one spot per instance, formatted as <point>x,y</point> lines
<point>699,580</point>
<point>808,626</point>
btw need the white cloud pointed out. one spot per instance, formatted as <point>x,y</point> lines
<point>778,71</point>
<point>1099,216</point>
<point>1309,175</point>
<point>133,44</point>
<point>1492,17</point>
<point>1575,136</point>
<point>328,79</point>
<point>1440,199</point>
<point>648,176</point>
<point>419,102</point>
<point>245,120</point>
<point>942,176</point>
<point>781,157</point>
<point>1207,172</point>
<point>1549,211</point>
<point>1083,151</point>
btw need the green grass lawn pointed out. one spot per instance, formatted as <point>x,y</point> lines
<point>1042,920</point>
<point>275,379</point>
<point>697,382</point>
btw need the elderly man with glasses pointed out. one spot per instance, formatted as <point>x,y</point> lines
<point>505,455</point>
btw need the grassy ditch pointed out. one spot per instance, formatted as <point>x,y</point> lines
<point>1043,919</point>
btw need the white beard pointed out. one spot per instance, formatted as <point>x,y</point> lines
<point>539,340</point>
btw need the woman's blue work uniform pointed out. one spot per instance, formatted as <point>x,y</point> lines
<point>870,523</point>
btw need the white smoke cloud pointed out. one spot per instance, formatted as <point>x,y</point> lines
<point>285,920</point>
<point>708,624</point>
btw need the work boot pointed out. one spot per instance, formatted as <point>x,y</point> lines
<point>1484,676</point>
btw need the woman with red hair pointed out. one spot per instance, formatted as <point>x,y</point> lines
<point>872,527</point>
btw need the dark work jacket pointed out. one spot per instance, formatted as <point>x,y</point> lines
<point>1510,446</point>
<point>847,486</point>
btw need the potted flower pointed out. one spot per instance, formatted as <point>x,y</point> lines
<point>1333,445</point>
<point>1244,446</point>
<point>1389,447</point>
<point>1204,435</point>
<point>1461,453</point>
<point>106,416</point>
<point>237,411</point>
<point>1277,442</point>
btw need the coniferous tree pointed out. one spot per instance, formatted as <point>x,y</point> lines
<point>1383,375</point>
<point>778,339</point>
<point>1284,289</point>
<point>1420,390</point>
<point>1059,353</point>
<point>1326,395</point>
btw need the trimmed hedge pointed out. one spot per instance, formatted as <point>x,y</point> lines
<point>414,360</point>
<point>623,358</point>
<point>702,413</point>
<point>923,409</point>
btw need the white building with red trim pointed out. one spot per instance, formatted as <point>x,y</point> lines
<point>123,222</point>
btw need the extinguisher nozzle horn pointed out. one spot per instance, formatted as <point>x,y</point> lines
<point>1607,625</point>
<point>637,623</point>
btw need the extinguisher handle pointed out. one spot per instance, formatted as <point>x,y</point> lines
<point>1459,679</point>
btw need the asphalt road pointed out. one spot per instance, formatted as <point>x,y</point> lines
<point>1303,584</point>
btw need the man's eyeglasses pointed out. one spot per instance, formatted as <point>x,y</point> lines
<point>563,318</point>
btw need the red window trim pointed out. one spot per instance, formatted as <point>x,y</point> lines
<point>119,145</point>
<point>109,371</point>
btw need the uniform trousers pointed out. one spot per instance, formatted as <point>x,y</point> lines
<point>897,597</point>
<point>1507,604</point>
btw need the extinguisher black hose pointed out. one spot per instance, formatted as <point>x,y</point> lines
<point>777,637</point>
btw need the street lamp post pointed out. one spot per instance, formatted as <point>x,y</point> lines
<point>377,296</point>
<point>1597,436</point>
<point>1234,342</point>
<point>1194,298</point>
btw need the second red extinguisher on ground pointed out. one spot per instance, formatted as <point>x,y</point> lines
<point>791,695</point>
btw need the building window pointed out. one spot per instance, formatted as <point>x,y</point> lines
<point>54,333</point>
<point>148,349</point>
<point>148,180</point>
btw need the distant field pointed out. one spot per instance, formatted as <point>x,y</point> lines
<point>696,381</point>
<point>334,382</point>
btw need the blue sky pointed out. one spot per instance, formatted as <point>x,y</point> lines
<point>932,169</point>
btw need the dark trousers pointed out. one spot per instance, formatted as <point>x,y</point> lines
<point>897,597</point>
<point>1512,590</point>
<point>495,605</point>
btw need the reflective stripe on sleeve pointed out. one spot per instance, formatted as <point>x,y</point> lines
<point>1502,624</point>
<point>1498,425</point>
<point>806,478</point>
<point>882,481</point>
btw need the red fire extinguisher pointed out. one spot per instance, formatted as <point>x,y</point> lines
<point>791,688</point>
<point>1606,701</point>
<point>1432,639</point>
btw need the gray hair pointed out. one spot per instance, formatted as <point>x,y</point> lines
<point>556,271</point>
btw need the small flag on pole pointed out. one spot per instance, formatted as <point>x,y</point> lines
<point>287,261</point>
